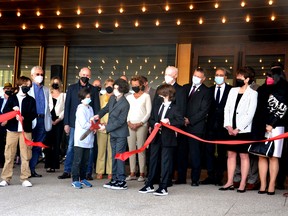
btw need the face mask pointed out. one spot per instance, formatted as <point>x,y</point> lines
<point>196,80</point>
<point>136,89</point>
<point>219,80</point>
<point>168,79</point>
<point>109,89</point>
<point>98,88</point>
<point>84,79</point>
<point>86,101</point>
<point>270,81</point>
<point>9,92</point>
<point>240,82</point>
<point>116,92</point>
<point>25,89</point>
<point>142,88</point>
<point>38,79</point>
<point>55,86</point>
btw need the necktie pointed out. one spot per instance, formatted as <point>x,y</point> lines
<point>192,92</point>
<point>161,112</point>
<point>218,95</point>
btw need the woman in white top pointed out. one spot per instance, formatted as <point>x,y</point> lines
<point>238,115</point>
<point>54,137</point>
<point>139,113</point>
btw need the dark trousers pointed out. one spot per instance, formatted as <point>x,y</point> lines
<point>80,163</point>
<point>165,154</point>
<point>118,145</point>
<point>53,140</point>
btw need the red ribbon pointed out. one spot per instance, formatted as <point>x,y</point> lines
<point>124,156</point>
<point>12,114</point>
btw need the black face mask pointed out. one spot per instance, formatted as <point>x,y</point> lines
<point>142,88</point>
<point>136,89</point>
<point>55,86</point>
<point>240,82</point>
<point>109,89</point>
<point>84,79</point>
<point>25,89</point>
<point>9,92</point>
<point>98,88</point>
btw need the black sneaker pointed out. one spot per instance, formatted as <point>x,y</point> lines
<point>146,189</point>
<point>161,192</point>
<point>120,185</point>
<point>65,175</point>
<point>110,184</point>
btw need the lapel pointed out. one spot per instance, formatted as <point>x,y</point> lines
<point>117,104</point>
<point>168,111</point>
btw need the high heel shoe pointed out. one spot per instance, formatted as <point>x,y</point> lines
<point>241,191</point>
<point>262,192</point>
<point>270,193</point>
<point>231,187</point>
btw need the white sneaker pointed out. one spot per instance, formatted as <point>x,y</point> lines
<point>3,183</point>
<point>141,179</point>
<point>26,183</point>
<point>130,178</point>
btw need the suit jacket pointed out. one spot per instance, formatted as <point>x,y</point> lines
<point>117,121</point>
<point>47,118</point>
<point>168,137</point>
<point>198,107</point>
<point>28,111</point>
<point>245,110</point>
<point>72,101</point>
<point>216,113</point>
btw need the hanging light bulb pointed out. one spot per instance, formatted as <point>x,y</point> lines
<point>143,9</point>
<point>216,5</point>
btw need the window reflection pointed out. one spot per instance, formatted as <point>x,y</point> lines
<point>29,57</point>
<point>6,66</point>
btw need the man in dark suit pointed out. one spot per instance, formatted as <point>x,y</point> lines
<point>71,103</point>
<point>198,105</point>
<point>216,154</point>
<point>7,89</point>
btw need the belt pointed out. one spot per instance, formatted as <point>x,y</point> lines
<point>40,115</point>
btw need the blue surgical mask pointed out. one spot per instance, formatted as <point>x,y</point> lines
<point>86,101</point>
<point>219,80</point>
<point>196,80</point>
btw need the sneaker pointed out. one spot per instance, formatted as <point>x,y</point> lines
<point>141,179</point>
<point>146,189</point>
<point>120,185</point>
<point>4,183</point>
<point>86,183</point>
<point>110,184</point>
<point>161,192</point>
<point>130,178</point>
<point>26,183</point>
<point>65,175</point>
<point>77,184</point>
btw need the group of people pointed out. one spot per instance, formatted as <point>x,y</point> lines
<point>124,119</point>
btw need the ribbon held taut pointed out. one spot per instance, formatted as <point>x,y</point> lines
<point>7,116</point>
<point>124,156</point>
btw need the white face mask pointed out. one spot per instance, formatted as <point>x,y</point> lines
<point>86,101</point>
<point>116,92</point>
<point>196,80</point>
<point>38,79</point>
<point>168,79</point>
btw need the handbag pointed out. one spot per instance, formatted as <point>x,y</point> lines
<point>263,149</point>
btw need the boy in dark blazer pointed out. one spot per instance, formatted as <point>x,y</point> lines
<point>164,144</point>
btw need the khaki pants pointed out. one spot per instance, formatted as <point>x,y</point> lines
<point>103,142</point>
<point>137,138</point>
<point>10,152</point>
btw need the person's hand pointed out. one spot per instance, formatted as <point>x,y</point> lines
<point>3,123</point>
<point>67,129</point>
<point>101,127</point>
<point>16,108</point>
<point>18,117</point>
<point>186,121</point>
<point>150,130</point>
<point>166,121</point>
<point>269,128</point>
<point>56,121</point>
<point>230,130</point>
<point>235,132</point>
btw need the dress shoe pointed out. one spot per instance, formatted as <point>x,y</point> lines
<point>89,177</point>
<point>64,176</point>
<point>207,181</point>
<point>262,192</point>
<point>34,174</point>
<point>231,187</point>
<point>241,191</point>
<point>270,193</point>
<point>195,184</point>
<point>49,170</point>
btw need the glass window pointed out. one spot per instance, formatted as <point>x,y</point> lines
<point>112,62</point>
<point>211,63</point>
<point>29,57</point>
<point>53,56</point>
<point>6,66</point>
<point>261,64</point>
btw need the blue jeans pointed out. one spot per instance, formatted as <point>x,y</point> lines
<point>118,145</point>
<point>69,152</point>
<point>38,135</point>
